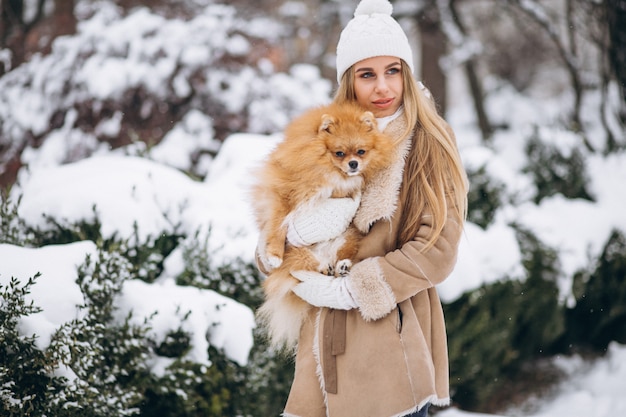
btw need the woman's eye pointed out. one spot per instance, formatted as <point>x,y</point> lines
<point>392,71</point>
<point>340,154</point>
<point>367,75</point>
<point>360,152</point>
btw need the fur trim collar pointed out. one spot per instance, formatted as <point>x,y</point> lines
<point>380,199</point>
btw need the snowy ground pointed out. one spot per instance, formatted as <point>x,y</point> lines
<point>590,390</point>
<point>151,192</point>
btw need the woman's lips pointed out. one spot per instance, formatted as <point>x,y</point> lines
<point>383,103</point>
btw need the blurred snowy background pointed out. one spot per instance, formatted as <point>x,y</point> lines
<point>130,138</point>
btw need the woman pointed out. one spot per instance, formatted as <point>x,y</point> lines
<point>377,346</point>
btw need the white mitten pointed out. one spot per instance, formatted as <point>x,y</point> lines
<point>324,221</point>
<point>323,291</point>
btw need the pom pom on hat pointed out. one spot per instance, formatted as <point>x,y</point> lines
<point>372,32</point>
<point>373,6</point>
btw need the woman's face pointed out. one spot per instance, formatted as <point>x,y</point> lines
<point>378,84</point>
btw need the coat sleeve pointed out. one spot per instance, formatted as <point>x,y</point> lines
<point>380,283</point>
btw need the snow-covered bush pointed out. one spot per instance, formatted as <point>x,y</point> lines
<point>13,229</point>
<point>92,365</point>
<point>111,362</point>
<point>498,328</point>
<point>238,280</point>
<point>556,164</point>
<point>142,79</point>
<point>599,316</point>
<point>484,197</point>
<point>105,361</point>
<point>24,378</point>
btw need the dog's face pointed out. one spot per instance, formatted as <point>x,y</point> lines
<point>351,143</point>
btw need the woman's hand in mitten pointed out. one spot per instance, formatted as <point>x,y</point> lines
<point>324,221</point>
<point>324,291</point>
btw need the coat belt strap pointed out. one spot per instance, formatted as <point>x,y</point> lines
<point>334,336</point>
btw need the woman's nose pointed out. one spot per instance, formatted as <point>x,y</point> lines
<point>381,85</point>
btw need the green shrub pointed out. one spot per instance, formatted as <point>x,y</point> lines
<point>554,171</point>
<point>13,229</point>
<point>24,379</point>
<point>145,254</point>
<point>498,328</point>
<point>108,358</point>
<point>268,379</point>
<point>238,280</point>
<point>192,390</point>
<point>599,315</point>
<point>480,328</point>
<point>261,388</point>
<point>62,231</point>
<point>541,316</point>
<point>484,197</point>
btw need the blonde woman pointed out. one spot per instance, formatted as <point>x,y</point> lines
<point>376,346</point>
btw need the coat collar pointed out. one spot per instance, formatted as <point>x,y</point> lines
<point>380,198</point>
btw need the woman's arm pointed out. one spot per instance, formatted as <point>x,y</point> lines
<point>379,283</point>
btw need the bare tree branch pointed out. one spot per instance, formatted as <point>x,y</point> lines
<point>455,30</point>
<point>538,14</point>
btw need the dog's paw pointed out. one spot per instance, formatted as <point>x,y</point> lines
<point>343,267</point>
<point>327,270</point>
<point>274,261</point>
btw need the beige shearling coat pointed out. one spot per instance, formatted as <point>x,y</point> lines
<point>389,357</point>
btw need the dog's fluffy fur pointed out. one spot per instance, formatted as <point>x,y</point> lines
<point>328,152</point>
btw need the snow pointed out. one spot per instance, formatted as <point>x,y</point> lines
<point>226,323</point>
<point>476,266</point>
<point>151,195</point>
<point>125,191</point>
<point>593,389</point>
<point>55,291</point>
<point>194,132</point>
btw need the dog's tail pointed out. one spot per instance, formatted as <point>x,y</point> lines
<point>283,312</point>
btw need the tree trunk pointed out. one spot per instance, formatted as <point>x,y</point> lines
<point>433,45</point>
<point>14,30</point>
<point>476,89</point>
<point>64,21</point>
<point>616,21</point>
<point>475,85</point>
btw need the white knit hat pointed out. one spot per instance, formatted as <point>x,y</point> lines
<point>372,32</point>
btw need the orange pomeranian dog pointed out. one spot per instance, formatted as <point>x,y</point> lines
<point>328,152</point>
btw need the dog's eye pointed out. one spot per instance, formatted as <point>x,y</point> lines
<point>340,154</point>
<point>360,152</point>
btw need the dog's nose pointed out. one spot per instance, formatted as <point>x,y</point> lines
<point>353,164</point>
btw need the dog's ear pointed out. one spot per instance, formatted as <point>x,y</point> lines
<point>327,122</point>
<point>369,120</point>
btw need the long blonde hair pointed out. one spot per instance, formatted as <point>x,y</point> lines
<point>434,179</point>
